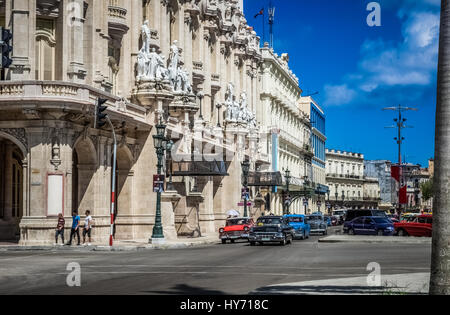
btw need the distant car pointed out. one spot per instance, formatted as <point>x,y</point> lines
<point>271,229</point>
<point>352,214</point>
<point>327,220</point>
<point>334,221</point>
<point>302,230</point>
<point>235,229</point>
<point>380,226</point>
<point>318,225</point>
<point>421,226</point>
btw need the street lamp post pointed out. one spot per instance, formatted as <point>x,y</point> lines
<point>343,199</point>
<point>169,147</point>
<point>245,171</point>
<point>160,146</point>
<point>286,202</point>
<point>200,97</point>
<point>218,106</point>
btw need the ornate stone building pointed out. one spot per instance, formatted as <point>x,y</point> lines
<point>194,65</point>
<point>152,60</point>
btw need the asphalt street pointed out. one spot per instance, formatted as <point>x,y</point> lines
<point>209,270</point>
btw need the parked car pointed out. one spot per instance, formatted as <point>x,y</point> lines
<point>334,221</point>
<point>340,215</point>
<point>235,229</point>
<point>421,226</point>
<point>409,217</point>
<point>352,214</point>
<point>393,218</point>
<point>377,225</point>
<point>271,229</point>
<point>318,225</point>
<point>302,230</point>
<point>327,220</point>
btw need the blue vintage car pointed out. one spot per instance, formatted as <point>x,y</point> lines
<point>302,230</point>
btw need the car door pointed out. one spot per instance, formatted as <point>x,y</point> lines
<point>358,225</point>
<point>370,227</point>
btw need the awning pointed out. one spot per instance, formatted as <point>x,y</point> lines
<point>322,189</point>
<point>200,168</point>
<point>269,179</point>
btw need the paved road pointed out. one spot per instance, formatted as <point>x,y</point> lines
<point>217,269</point>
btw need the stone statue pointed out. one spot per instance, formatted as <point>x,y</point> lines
<point>243,112</point>
<point>142,64</point>
<point>232,107</point>
<point>174,60</point>
<point>146,37</point>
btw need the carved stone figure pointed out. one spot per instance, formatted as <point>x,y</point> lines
<point>174,60</point>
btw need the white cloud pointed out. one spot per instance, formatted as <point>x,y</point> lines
<point>338,94</point>
<point>389,65</point>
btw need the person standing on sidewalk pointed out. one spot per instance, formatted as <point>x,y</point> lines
<point>60,228</point>
<point>87,228</point>
<point>75,227</point>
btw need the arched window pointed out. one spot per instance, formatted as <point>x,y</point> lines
<point>45,50</point>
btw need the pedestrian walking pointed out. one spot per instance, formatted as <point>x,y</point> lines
<point>60,229</point>
<point>75,227</point>
<point>87,228</point>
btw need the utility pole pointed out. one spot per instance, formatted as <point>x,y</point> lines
<point>271,22</point>
<point>400,125</point>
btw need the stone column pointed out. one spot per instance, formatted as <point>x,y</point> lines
<point>8,182</point>
<point>187,50</point>
<point>23,19</point>
<point>206,211</point>
<point>73,33</point>
<point>164,28</point>
<point>207,114</point>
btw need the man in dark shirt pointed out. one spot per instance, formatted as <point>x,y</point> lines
<point>75,227</point>
<point>60,229</point>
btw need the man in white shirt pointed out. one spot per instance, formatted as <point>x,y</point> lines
<point>87,227</point>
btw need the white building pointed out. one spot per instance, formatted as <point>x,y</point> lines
<point>349,187</point>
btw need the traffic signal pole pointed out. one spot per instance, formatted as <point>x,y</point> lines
<point>99,122</point>
<point>113,189</point>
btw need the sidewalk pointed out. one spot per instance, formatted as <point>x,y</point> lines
<point>404,284</point>
<point>119,245</point>
<point>375,239</point>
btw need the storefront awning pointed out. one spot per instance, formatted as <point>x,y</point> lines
<point>199,168</point>
<point>261,179</point>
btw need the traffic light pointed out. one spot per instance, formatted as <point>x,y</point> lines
<point>5,47</point>
<point>100,116</point>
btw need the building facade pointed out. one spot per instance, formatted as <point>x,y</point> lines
<point>286,131</point>
<point>349,187</point>
<point>196,66</point>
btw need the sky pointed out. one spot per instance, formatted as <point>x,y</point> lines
<point>358,70</point>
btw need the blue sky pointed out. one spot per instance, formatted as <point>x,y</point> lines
<point>358,70</point>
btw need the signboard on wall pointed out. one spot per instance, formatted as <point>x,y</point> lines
<point>55,200</point>
<point>158,183</point>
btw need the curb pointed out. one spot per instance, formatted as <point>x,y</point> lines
<point>100,248</point>
<point>377,240</point>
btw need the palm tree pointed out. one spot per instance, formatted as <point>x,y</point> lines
<point>440,260</point>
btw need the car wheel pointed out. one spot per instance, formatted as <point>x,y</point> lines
<point>304,236</point>
<point>380,233</point>
<point>290,240</point>
<point>402,233</point>
<point>233,241</point>
<point>283,243</point>
<point>224,241</point>
<point>252,243</point>
<point>325,233</point>
<point>351,232</point>
<point>261,243</point>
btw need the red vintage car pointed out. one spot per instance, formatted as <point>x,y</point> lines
<point>235,229</point>
<point>420,226</point>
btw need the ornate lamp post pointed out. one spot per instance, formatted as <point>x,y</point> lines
<point>200,97</point>
<point>245,170</point>
<point>286,204</point>
<point>160,146</point>
<point>343,198</point>
<point>169,147</point>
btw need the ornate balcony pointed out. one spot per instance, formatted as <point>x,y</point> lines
<point>117,17</point>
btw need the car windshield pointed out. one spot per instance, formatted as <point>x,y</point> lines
<point>295,219</point>
<point>265,221</point>
<point>380,220</point>
<point>237,222</point>
<point>315,217</point>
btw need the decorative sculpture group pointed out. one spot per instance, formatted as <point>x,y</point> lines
<point>238,112</point>
<point>151,65</point>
